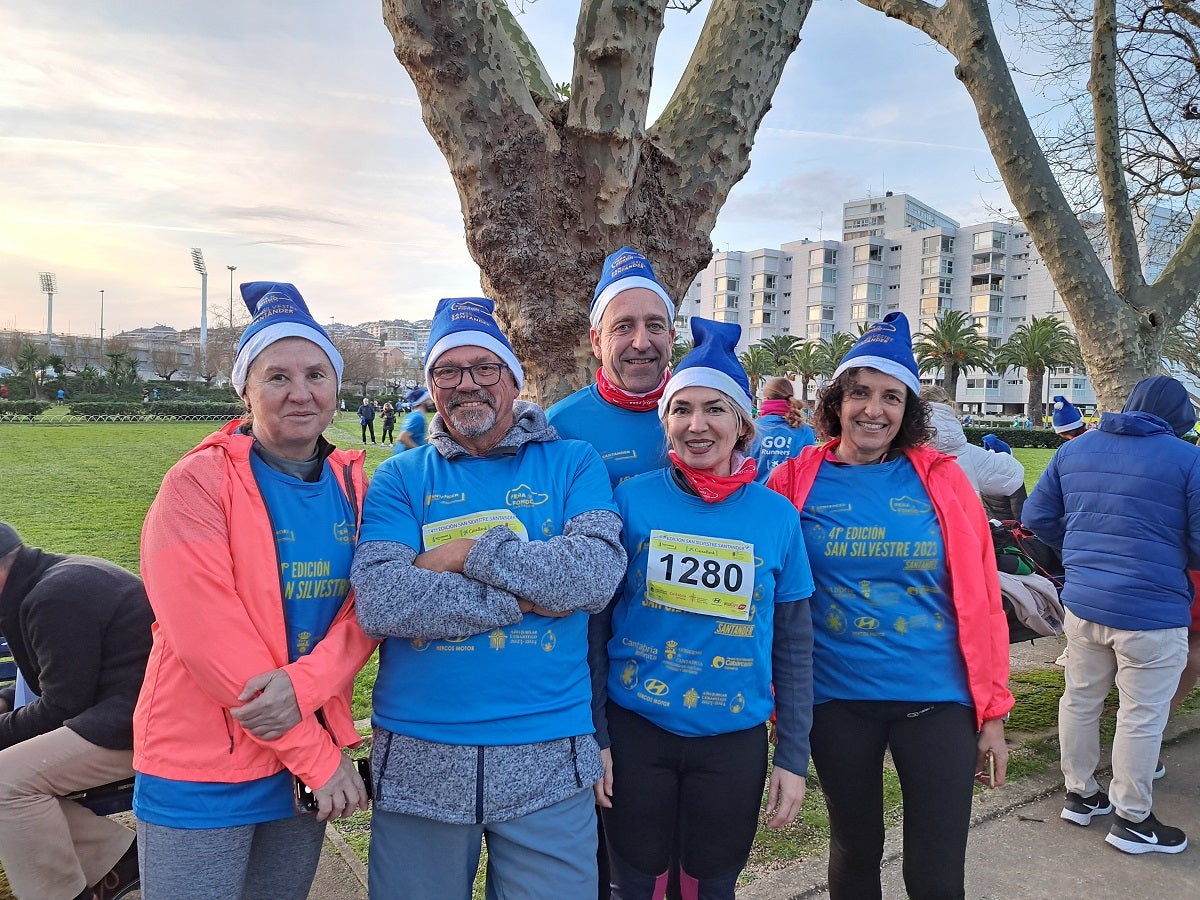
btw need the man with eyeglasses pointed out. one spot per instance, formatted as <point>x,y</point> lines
<point>480,556</point>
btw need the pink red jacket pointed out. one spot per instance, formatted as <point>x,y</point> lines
<point>970,559</point>
<point>211,572</point>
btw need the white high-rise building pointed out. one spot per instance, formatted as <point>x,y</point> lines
<point>896,253</point>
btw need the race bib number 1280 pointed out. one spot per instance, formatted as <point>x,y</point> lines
<point>710,576</point>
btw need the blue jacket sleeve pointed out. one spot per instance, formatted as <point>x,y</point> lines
<point>1043,513</point>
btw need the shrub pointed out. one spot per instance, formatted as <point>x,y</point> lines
<point>1043,438</point>
<point>11,410</point>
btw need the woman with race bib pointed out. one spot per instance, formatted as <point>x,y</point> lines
<point>713,609</point>
<point>911,643</point>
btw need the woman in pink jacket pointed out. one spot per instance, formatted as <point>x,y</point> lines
<point>240,725</point>
<point>910,647</point>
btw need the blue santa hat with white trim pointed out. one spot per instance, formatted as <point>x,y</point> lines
<point>712,362</point>
<point>886,347</point>
<point>279,312</point>
<point>624,270</point>
<point>469,322</point>
<point>1066,417</point>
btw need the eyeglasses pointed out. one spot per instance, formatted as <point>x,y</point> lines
<point>484,375</point>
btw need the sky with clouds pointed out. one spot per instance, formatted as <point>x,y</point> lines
<point>284,138</point>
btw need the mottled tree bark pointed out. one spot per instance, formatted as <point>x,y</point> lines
<point>548,186</point>
<point>1121,321</point>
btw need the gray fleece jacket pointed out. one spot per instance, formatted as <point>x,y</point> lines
<point>394,598</point>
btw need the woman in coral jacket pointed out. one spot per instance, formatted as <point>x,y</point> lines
<point>246,558</point>
<point>910,646</point>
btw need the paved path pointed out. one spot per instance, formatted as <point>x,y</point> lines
<point>1020,848</point>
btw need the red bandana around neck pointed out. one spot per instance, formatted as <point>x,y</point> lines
<point>715,488</point>
<point>622,398</point>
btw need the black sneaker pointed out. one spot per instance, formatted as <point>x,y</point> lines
<point>1081,810</point>
<point>1150,836</point>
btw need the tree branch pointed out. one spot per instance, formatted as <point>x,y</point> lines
<point>615,42</point>
<point>1126,259</point>
<point>709,124</point>
<point>444,46</point>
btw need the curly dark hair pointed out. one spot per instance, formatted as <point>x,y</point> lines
<point>914,425</point>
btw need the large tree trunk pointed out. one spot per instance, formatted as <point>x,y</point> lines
<point>548,187</point>
<point>1121,326</point>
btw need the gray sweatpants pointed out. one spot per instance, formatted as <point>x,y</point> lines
<point>269,861</point>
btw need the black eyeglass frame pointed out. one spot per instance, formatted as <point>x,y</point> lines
<point>438,382</point>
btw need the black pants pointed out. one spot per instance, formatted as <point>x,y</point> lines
<point>388,433</point>
<point>710,788</point>
<point>368,424</point>
<point>934,748</point>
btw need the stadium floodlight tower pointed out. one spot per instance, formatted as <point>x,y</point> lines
<point>198,262</point>
<point>49,288</point>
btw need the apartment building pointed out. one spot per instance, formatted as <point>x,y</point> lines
<point>895,253</point>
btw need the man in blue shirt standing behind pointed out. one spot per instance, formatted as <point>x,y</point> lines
<point>480,558</point>
<point>632,335</point>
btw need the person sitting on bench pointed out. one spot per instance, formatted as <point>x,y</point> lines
<point>79,629</point>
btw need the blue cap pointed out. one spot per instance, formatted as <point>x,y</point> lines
<point>624,270</point>
<point>279,312</point>
<point>469,322</point>
<point>712,362</point>
<point>1066,417</point>
<point>887,347</point>
<point>993,443</point>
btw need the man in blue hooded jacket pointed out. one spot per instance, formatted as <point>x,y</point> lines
<point>1122,501</point>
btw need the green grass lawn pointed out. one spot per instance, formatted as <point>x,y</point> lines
<point>86,489</point>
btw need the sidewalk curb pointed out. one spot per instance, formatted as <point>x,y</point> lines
<point>349,857</point>
<point>808,879</point>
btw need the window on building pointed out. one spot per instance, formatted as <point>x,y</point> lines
<point>860,311</point>
<point>764,280</point>
<point>727,283</point>
<point>868,253</point>
<point>938,243</point>
<point>822,256</point>
<point>824,275</point>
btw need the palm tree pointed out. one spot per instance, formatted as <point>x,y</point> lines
<point>758,364</point>
<point>953,345</point>
<point>780,347</point>
<point>31,364</point>
<point>806,360</point>
<point>679,350</point>
<point>1036,346</point>
<point>835,349</point>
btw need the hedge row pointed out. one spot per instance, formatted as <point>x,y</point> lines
<point>161,409</point>
<point>1017,437</point>
<point>22,409</point>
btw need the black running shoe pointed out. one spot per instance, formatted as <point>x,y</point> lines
<point>1081,810</point>
<point>1150,836</point>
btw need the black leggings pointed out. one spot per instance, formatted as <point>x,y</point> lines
<point>710,788</point>
<point>934,748</point>
<point>388,433</point>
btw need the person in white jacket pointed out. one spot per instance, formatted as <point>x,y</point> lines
<point>999,478</point>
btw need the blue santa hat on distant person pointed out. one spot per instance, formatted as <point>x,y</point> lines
<point>887,347</point>
<point>993,443</point>
<point>1066,417</point>
<point>279,312</point>
<point>712,362</point>
<point>624,270</point>
<point>469,322</point>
